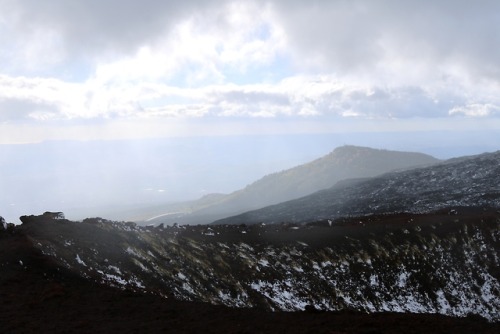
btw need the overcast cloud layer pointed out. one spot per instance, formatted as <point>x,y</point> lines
<point>134,68</point>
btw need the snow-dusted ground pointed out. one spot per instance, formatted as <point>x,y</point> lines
<point>445,262</point>
<point>445,267</point>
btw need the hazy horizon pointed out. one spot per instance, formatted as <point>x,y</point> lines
<point>120,102</point>
<point>94,178</point>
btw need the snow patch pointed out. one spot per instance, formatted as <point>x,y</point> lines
<point>263,262</point>
<point>374,280</point>
<point>403,277</point>
<point>115,269</point>
<point>444,305</point>
<point>80,261</point>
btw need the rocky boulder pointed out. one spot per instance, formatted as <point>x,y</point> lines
<point>3,224</point>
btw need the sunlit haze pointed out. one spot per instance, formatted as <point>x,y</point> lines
<point>111,102</point>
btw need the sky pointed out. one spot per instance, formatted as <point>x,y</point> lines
<point>115,69</point>
<point>416,75</point>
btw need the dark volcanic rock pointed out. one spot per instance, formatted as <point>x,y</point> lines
<point>39,295</point>
<point>433,263</point>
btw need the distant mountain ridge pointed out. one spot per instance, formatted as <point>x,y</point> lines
<point>344,162</point>
<point>467,181</point>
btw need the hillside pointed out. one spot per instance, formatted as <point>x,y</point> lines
<point>40,296</point>
<point>413,250</point>
<point>97,269</point>
<point>343,163</point>
<point>469,181</point>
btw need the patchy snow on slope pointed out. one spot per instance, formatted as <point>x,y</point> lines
<point>403,277</point>
<point>282,294</point>
<point>263,262</point>
<point>80,261</point>
<point>133,252</point>
<point>443,266</point>
<point>116,279</point>
<point>115,269</point>
<point>444,305</point>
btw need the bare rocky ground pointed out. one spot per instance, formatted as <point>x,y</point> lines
<point>38,295</point>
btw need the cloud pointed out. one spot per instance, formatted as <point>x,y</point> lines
<point>404,43</point>
<point>358,36</point>
<point>130,40</point>
<point>102,61</point>
<point>20,109</point>
<point>344,37</point>
<point>46,98</point>
<point>298,96</point>
<point>476,110</point>
<point>95,26</point>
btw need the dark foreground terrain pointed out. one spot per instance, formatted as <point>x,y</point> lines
<point>38,295</point>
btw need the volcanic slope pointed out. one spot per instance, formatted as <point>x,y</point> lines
<point>40,296</point>
<point>343,163</point>
<point>465,182</point>
<point>429,263</point>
